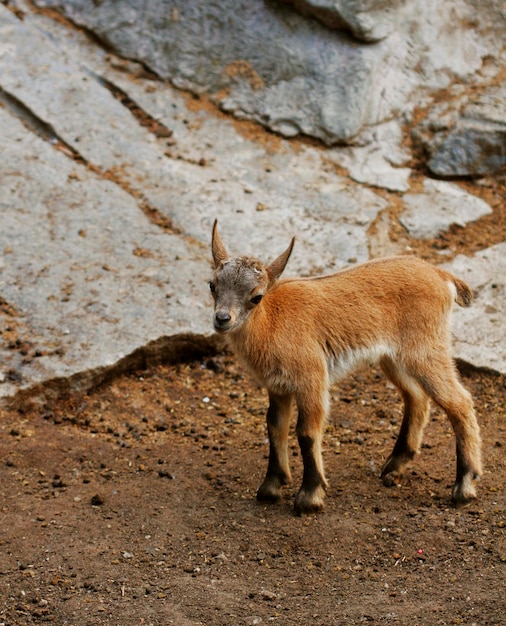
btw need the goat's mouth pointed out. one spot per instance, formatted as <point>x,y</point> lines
<point>223,328</point>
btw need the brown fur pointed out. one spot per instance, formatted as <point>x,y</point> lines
<point>297,335</point>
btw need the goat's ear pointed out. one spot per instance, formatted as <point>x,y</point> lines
<point>220,254</point>
<point>278,265</point>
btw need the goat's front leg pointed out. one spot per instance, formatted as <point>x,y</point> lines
<point>278,470</point>
<point>312,415</point>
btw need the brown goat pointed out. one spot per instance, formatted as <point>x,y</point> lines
<point>297,335</point>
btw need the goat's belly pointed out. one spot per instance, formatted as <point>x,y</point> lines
<point>355,358</point>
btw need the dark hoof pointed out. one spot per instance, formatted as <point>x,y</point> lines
<point>391,479</point>
<point>392,471</point>
<point>270,489</point>
<point>268,496</point>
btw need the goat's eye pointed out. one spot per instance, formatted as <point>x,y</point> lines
<point>212,287</point>
<point>256,299</point>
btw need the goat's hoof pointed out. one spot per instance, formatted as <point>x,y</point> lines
<point>464,490</point>
<point>392,479</point>
<point>268,493</point>
<point>391,472</point>
<point>393,468</point>
<point>309,502</point>
<point>269,497</point>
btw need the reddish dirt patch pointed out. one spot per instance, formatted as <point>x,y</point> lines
<point>135,504</point>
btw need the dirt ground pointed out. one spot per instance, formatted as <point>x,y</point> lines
<point>134,504</point>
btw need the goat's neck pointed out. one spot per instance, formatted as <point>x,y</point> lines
<point>252,334</point>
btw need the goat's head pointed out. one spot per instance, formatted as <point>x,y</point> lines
<point>240,283</point>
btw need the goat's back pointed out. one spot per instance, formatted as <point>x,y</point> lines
<point>385,302</point>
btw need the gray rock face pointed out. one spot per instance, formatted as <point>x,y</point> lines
<point>265,62</point>
<point>110,183</point>
<point>479,330</point>
<point>472,142</point>
<point>368,20</point>
<point>257,60</point>
<point>87,278</point>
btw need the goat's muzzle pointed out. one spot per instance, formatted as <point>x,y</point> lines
<point>222,321</point>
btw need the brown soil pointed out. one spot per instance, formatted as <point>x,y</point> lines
<point>135,504</point>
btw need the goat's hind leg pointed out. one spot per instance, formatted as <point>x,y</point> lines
<point>443,386</point>
<point>278,470</point>
<point>416,414</point>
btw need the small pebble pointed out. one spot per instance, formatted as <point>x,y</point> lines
<point>165,474</point>
<point>97,500</point>
<point>268,595</point>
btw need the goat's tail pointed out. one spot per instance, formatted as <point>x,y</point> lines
<point>462,293</point>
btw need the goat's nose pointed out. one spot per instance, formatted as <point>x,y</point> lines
<point>222,318</point>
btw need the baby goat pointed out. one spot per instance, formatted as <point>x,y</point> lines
<point>296,335</point>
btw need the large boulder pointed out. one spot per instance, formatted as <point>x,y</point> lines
<point>470,142</point>
<point>368,20</point>
<point>266,62</point>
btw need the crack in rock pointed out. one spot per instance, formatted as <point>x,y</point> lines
<point>154,126</point>
<point>36,124</point>
<point>47,132</point>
